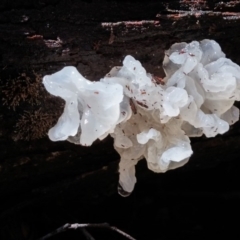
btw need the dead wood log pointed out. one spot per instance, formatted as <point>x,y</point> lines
<point>38,38</point>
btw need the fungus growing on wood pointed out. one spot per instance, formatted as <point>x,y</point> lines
<point>149,120</point>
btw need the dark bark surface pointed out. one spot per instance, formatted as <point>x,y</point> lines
<point>60,182</point>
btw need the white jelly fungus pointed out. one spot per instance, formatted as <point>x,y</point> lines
<point>149,118</point>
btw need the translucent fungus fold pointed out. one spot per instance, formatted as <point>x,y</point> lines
<point>146,118</point>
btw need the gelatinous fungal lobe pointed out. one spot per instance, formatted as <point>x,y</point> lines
<point>132,105</point>
<point>148,116</point>
<point>142,104</point>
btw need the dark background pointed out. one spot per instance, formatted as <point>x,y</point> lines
<point>44,185</point>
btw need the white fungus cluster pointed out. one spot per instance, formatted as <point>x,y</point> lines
<point>149,117</point>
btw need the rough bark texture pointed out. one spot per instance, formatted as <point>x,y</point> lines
<point>41,37</point>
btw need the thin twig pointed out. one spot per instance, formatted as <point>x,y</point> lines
<point>86,225</point>
<point>87,234</point>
